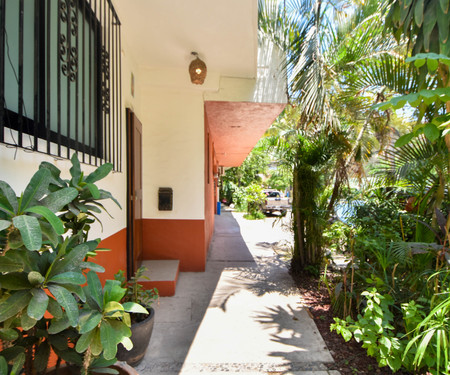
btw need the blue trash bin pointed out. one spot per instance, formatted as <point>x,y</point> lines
<point>218,208</point>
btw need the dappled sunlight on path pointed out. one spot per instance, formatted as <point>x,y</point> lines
<point>241,315</point>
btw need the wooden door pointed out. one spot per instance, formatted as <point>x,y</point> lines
<point>134,192</point>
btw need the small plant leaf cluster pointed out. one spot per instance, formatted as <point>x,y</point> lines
<point>135,293</point>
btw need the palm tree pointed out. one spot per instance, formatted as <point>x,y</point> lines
<point>425,25</point>
<point>325,52</point>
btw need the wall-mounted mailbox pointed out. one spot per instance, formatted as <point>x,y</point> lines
<point>165,199</point>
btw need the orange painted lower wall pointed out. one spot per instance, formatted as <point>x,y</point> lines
<point>113,260</point>
<point>183,240</point>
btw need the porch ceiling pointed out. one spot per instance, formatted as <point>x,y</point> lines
<point>162,33</point>
<point>236,127</point>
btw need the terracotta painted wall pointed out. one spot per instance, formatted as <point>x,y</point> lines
<point>113,260</point>
<point>176,239</point>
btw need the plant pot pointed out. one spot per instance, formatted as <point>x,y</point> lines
<point>122,367</point>
<point>140,337</point>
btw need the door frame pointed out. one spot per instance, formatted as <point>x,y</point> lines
<point>131,191</point>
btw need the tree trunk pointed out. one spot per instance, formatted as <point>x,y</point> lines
<point>339,178</point>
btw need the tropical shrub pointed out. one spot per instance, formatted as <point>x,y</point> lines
<point>254,198</point>
<point>374,329</point>
<point>49,302</point>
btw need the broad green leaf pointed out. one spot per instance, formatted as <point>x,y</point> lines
<point>420,62</point>
<point>12,352</point>
<point>60,198</point>
<point>100,173</point>
<point>113,291</point>
<point>19,361</point>
<point>14,304</point>
<point>70,356</point>
<point>96,345</point>
<point>404,139</point>
<point>445,5</point>
<point>58,341</point>
<point>432,65</point>
<point>418,13</point>
<point>27,322</point>
<point>3,366</point>
<point>92,208</point>
<point>75,171</point>
<point>11,262</point>
<point>30,231</point>
<point>94,191</point>
<point>58,325</point>
<point>133,307</point>
<point>55,173</point>
<point>430,18</point>
<point>404,12</point>
<point>126,318</point>
<point>54,309</point>
<point>15,281</point>
<point>36,189</point>
<point>89,321</point>
<point>72,260</point>
<point>77,290</point>
<point>127,343</point>
<point>53,220</point>
<point>431,132</point>
<point>67,301</point>
<point>8,334</point>
<point>35,278</point>
<point>112,307</point>
<point>76,278</point>
<point>10,199</point>
<point>41,356</point>
<point>5,207</point>
<point>109,339</point>
<point>92,266</point>
<point>38,304</point>
<point>85,341</point>
<point>94,289</point>
<point>49,233</point>
<point>107,195</point>
<point>4,224</point>
<point>121,329</point>
<point>443,20</point>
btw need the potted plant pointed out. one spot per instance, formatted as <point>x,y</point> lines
<point>51,299</point>
<point>141,324</point>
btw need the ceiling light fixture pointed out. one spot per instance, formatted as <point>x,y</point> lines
<point>197,70</point>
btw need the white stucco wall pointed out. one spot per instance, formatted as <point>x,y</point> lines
<point>173,148</point>
<point>269,85</point>
<point>17,166</point>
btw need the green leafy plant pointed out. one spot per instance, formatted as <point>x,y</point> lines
<point>429,334</point>
<point>44,251</point>
<point>255,198</point>
<point>104,321</point>
<point>374,330</point>
<point>136,293</point>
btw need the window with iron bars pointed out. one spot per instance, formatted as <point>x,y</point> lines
<point>60,88</point>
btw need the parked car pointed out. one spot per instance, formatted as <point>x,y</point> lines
<point>275,202</point>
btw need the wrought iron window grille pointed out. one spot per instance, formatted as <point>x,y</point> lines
<point>60,86</point>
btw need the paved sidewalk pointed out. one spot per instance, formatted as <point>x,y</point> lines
<point>241,315</point>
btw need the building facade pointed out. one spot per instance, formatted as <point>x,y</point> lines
<point>108,79</point>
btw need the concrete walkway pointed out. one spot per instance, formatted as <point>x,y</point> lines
<point>241,315</point>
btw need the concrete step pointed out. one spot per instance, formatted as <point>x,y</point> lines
<point>163,275</point>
